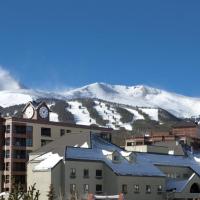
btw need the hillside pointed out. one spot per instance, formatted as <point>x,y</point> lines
<point>102,113</point>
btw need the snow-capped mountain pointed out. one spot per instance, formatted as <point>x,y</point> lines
<point>142,96</point>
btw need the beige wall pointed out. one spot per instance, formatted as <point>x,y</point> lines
<point>112,184</point>
<point>42,180</point>
<point>147,148</point>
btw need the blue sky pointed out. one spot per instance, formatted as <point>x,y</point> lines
<point>57,44</point>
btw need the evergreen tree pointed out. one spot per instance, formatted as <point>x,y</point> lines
<point>51,194</point>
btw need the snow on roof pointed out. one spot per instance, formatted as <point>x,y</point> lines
<point>85,145</point>
<point>98,152</point>
<point>145,164</point>
<point>106,152</point>
<point>48,161</point>
<point>125,153</point>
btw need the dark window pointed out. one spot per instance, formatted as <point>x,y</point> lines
<point>86,173</point>
<point>19,166</point>
<point>7,141</point>
<point>7,154</point>
<point>98,173</point>
<point>98,188</point>
<point>136,188</point>
<point>19,142</point>
<point>129,144</point>
<point>19,129</point>
<point>116,158</point>
<point>124,189</point>
<point>20,179</point>
<point>29,142</point>
<point>72,173</point>
<point>7,166</point>
<point>19,154</point>
<point>195,188</point>
<point>29,129</point>
<point>86,188</point>
<point>68,131</point>
<point>62,132</point>
<point>148,189</point>
<point>46,132</point>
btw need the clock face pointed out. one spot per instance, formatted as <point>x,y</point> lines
<point>29,112</point>
<point>43,112</point>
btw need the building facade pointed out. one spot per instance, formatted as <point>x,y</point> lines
<point>20,136</point>
<point>104,169</point>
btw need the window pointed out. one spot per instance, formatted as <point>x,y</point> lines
<point>86,173</point>
<point>7,166</point>
<point>29,142</point>
<point>124,189</point>
<point>19,129</point>
<point>7,154</point>
<point>72,188</point>
<point>7,179</point>
<point>7,128</point>
<point>116,158</point>
<point>68,131</point>
<point>7,141</point>
<point>99,173</point>
<point>29,129</point>
<point>159,188</point>
<point>148,189</point>
<point>62,132</point>
<point>86,188</point>
<point>72,173</point>
<point>98,189</point>
<point>136,188</point>
<point>129,144</point>
<point>46,132</point>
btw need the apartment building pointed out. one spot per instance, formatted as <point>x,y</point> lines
<point>20,136</point>
<point>104,170</point>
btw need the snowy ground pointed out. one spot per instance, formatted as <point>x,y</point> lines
<point>112,116</point>
<point>136,114</point>
<point>152,112</point>
<point>81,114</point>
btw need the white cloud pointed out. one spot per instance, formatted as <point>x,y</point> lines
<point>7,82</point>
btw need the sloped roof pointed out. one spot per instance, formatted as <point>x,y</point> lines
<point>122,168</point>
<point>145,165</point>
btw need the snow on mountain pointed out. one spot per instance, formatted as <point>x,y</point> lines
<point>142,96</point>
<point>110,114</point>
<point>151,112</point>
<point>80,113</point>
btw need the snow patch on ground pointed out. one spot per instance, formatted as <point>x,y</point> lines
<point>137,116</point>
<point>110,114</point>
<point>81,114</point>
<point>152,112</point>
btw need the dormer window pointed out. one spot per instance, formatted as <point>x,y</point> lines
<point>116,157</point>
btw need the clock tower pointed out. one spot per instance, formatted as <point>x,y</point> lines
<point>36,110</point>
